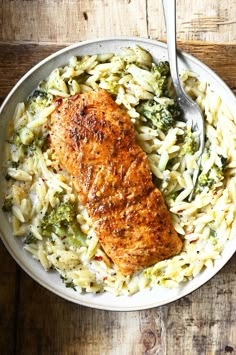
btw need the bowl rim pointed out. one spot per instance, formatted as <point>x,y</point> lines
<point>34,276</point>
<point>180,52</point>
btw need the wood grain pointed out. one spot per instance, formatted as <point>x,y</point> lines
<point>9,288</point>
<point>201,323</point>
<point>88,19</point>
<point>212,21</point>
<point>218,57</point>
<point>35,321</point>
<point>44,20</point>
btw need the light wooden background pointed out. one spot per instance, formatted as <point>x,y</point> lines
<point>33,320</point>
<point>66,21</point>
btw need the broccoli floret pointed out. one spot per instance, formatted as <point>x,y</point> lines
<point>213,176</point>
<point>204,180</point>
<point>161,72</point>
<point>62,221</point>
<point>38,100</point>
<point>38,142</point>
<point>7,205</point>
<point>68,283</point>
<point>39,93</point>
<point>22,137</point>
<point>163,68</point>
<point>61,215</point>
<point>161,115</point>
<point>30,238</point>
<point>189,145</point>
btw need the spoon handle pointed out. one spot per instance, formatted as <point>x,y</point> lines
<point>169,8</point>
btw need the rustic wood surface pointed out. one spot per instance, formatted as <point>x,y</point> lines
<point>35,321</point>
<point>44,20</point>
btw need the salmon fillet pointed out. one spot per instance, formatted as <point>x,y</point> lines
<point>94,140</point>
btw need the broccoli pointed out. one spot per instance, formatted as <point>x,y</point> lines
<point>162,116</point>
<point>61,215</point>
<point>214,175</point>
<point>189,145</point>
<point>30,238</point>
<point>38,142</point>
<point>22,137</point>
<point>204,181</point>
<point>7,205</point>
<point>161,72</point>
<point>62,221</point>
<point>68,283</point>
<point>163,68</point>
<point>38,100</point>
<point>39,93</point>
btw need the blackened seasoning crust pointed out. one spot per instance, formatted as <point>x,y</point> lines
<point>95,141</point>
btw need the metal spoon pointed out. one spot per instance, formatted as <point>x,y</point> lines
<point>190,111</point>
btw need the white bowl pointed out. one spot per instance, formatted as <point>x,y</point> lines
<point>51,281</point>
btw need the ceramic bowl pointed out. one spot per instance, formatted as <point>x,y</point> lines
<point>51,280</point>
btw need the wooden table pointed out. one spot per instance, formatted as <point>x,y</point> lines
<point>35,321</point>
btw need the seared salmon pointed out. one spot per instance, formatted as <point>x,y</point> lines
<point>94,140</point>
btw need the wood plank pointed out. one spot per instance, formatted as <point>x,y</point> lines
<point>212,21</point>
<point>44,20</point>
<point>87,19</point>
<point>204,322</point>
<point>9,288</point>
<point>17,59</point>
<point>66,328</point>
<point>218,57</point>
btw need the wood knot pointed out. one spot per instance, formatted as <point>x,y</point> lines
<point>85,15</point>
<point>229,349</point>
<point>149,339</point>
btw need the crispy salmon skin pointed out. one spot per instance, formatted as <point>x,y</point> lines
<point>94,140</point>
